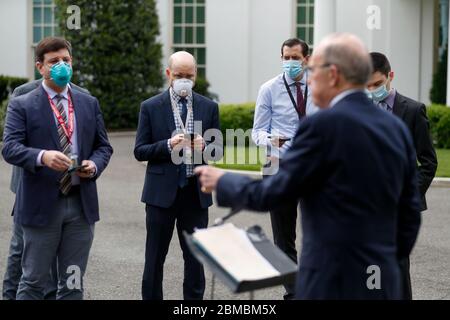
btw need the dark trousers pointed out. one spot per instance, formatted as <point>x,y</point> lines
<point>406,279</point>
<point>284,223</point>
<point>14,269</point>
<point>187,214</point>
<point>68,237</point>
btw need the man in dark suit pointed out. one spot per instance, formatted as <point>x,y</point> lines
<point>13,271</point>
<point>17,172</point>
<point>414,115</point>
<point>353,167</point>
<point>171,191</point>
<point>45,131</point>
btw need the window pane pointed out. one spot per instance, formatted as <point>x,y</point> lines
<point>37,17</point>
<point>301,15</point>
<point>48,15</point>
<point>311,15</point>
<point>200,1</point>
<point>189,18</point>
<point>37,2</point>
<point>190,50</point>
<point>302,1</point>
<point>200,35</point>
<point>201,72</point>
<point>177,35</point>
<point>178,15</point>
<point>37,34</point>
<point>189,35</point>
<point>178,1</point>
<point>48,31</point>
<point>301,33</point>
<point>48,1</point>
<point>201,56</point>
<point>200,14</point>
<point>188,1</point>
<point>311,36</point>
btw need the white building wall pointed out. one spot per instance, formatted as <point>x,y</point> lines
<point>15,38</point>
<point>165,12</point>
<point>243,39</point>
<point>406,36</point>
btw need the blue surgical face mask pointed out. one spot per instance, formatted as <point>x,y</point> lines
<point>292,68</point>
<point>380,93</point>
<point>61,73</point>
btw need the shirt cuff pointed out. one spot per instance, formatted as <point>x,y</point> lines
<point>39,159</point>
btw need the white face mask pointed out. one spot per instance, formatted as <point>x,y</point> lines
<point>182,87</point>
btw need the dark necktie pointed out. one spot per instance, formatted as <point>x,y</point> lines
<point>182,181</point>
<point>65,183</point>
<point>300,101</point>
<point>183,102</point>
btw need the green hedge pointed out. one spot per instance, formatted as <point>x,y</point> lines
<point>236,116</point>
<point>8,84</point>
<point>3,106</point>
<point>439,117</point>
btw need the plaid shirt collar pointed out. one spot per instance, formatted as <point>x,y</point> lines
<point>176,98</point>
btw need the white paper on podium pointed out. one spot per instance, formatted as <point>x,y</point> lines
<point>233,250</point>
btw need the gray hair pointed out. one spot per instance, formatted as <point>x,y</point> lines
<point>351,57</point>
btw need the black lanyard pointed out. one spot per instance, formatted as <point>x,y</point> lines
<point>292,97</point>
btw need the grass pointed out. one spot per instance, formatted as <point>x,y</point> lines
<point>248,159</point>
<point>443,169</point>
<point>242,158</point>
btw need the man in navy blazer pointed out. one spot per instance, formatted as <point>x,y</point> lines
<point>57,209</point>
<point>353,166</point>
<point>173,123</point>
<point>13,271</point>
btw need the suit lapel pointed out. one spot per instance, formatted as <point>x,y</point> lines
<point>399,106</point>
<point>43,105</point>
<point>197,110</point>
<point>167,110</point>
<point>79,116</point>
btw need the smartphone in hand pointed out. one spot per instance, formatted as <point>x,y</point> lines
<point>77,168</point>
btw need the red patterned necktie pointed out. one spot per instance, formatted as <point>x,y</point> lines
<point>300,101</point>
<point>65,183</point>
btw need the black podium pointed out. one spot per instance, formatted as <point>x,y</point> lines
<point>286,270</point>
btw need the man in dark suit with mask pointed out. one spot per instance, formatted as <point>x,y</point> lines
<point>171,123</point>
<point>414,115</point>
<point>13,271</point>
<point>57,207</point>
<point>354,168</point>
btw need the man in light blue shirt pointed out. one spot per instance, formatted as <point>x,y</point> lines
<point>281,104</point>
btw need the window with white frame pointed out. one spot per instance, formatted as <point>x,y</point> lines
<point>44,23</point>
<point>189,30</point>
<point>305,21</point>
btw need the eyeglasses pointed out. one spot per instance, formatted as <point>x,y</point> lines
<point>311,69</point>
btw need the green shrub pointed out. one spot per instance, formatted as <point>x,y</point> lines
<point>236,116</point>
<point>8,84</point>
<point>116,54</point>
<point>202,87</point>
<point>3,106</point>
<point>443,131</point>
<point>438,92</point>
<point>435,113</point>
